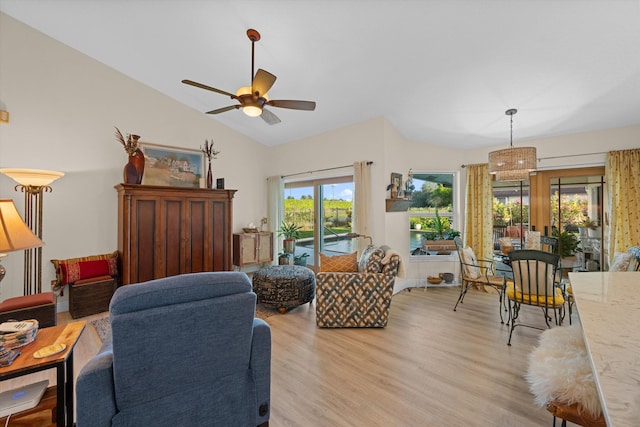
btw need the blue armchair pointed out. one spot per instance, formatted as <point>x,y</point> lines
<point>184,351</point>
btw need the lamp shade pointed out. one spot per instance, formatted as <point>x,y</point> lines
<point>513,159</point>
<point>14,233</point>
<point>252,107</point>
<point>513,163</point>
<point>33,177</point>
<point>517,175</point>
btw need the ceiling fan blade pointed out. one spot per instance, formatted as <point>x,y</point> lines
<point>205,87</point>
<point>295,105</point>
<point>262,82</point>
<point>269,117</point>
<point>223,109</point>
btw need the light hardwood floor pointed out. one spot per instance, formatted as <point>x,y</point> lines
<point>430,366</point>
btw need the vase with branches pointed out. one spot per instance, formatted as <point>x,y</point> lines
<point>134,169</point>
<point>210,153</point>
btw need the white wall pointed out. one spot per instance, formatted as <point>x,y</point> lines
<point>63,108</point>
<point>379,141</point>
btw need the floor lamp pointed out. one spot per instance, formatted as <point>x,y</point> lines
<point>14,233</point>
<point>33,183</point>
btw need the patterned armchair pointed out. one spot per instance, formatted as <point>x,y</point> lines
<point>359,299</point>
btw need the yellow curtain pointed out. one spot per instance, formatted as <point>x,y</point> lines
<point>622,172</point>
<point>478,225</point>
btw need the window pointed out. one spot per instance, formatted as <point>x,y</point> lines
<point>432,216</point>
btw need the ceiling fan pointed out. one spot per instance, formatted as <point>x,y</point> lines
<point>252,99</point>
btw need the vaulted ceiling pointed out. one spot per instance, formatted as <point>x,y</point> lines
<point>442,72</point>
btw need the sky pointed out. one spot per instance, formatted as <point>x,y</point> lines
<point>332,192</point>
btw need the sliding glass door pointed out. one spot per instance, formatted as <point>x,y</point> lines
<point>568,204</point>
<point>323,209</point>
<point>510,213</point>
<point>564,203</point>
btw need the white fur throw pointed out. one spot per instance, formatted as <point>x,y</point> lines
<point>559,369</point>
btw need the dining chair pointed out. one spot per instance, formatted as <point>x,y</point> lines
<point>478,272</point>
<point>549,244</point>
<point>635,252</point>
<point>534,285</point>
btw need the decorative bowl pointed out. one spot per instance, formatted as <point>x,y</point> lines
<point>434,280</point>
<point>447,277</point>
<point>249,230</point>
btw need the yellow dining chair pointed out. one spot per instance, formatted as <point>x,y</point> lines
<point>534,285</point>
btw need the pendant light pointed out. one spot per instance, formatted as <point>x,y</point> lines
<point>513,163</point>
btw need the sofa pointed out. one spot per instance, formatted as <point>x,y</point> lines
<point>360,298</point>
<point>183,351</point>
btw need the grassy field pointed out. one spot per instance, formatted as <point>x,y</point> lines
<point>337,215</point>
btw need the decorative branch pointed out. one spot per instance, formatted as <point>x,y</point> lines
<point>130,143</point>
<point>208,150</point>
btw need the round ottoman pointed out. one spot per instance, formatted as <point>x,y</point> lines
<point>284,286</point>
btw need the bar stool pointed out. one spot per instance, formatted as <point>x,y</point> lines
<point>561,378</point>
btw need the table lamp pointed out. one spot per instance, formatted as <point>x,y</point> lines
<point>14,233</point>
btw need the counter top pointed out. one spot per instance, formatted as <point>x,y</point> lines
<point>608,305</point>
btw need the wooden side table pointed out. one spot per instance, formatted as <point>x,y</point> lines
<point>63,363</point>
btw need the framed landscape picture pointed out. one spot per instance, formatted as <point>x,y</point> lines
<point>172,166</point>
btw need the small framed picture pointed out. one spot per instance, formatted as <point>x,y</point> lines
<point>396,184</point>
<point>172,166</point>
<point>220,183</point>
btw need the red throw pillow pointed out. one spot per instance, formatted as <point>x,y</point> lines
<point>74,269</point>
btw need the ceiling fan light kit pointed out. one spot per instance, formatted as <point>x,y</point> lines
<point>513,163</point>
<point>252,99</point>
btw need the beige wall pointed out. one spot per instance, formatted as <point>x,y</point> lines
<point>63,108</point>
<point>379,141</point>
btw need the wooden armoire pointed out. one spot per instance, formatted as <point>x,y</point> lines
<point>166,231</point>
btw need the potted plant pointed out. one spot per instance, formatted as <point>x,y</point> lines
<point>290,232</point>
<point>408,185</point>
<point>283,258</point>
<point>568,246</point>
<point>301,259</point>
<point>440,241</point>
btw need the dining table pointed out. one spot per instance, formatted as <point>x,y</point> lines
<point>608,307</point>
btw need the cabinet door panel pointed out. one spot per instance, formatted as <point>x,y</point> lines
<point>219,235</point>
<point>145,241</point>
<point>173,244</point>
<point>250,248</point>
<point>265,247</point>
<point>196,250</point>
